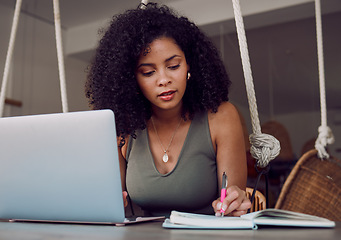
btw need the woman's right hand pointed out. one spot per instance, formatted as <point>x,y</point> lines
<point>125,200</point>
<point>235,204</point>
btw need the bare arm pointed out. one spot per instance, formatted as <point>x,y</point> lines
<point>123,166</point>
<point>228,141</point>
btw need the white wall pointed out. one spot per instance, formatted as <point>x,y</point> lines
<point>35,78</point>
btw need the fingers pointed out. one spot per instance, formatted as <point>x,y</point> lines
<point>234,199</point>
<point>238,213</point>
<point>242,209</point>
<point>235,204</point>
<point>246,204</point>
<point>217,205</point>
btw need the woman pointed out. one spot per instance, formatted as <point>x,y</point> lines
<point>177,132</point>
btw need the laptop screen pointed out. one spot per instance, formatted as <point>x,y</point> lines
<point>60,167</point>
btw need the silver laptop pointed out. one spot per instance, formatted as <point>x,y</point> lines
<point>60,167</point>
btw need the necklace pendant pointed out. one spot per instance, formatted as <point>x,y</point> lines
<point>165,158</point>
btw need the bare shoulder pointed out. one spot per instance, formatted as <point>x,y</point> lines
<point>226,112</point>
<point>225,122</point>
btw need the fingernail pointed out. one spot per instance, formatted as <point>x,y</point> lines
<point>219,205</point>
<point>217,214</point>
<point>224,207</point>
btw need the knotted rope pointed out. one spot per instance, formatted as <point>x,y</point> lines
<point>9,55</point>
<point>325,133</point>
<point>264,147</point>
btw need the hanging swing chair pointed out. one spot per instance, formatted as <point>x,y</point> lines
<point>314,185</point>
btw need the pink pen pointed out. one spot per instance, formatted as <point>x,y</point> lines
<point>223,193</point>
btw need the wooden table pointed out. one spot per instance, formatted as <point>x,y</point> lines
<point>154,231</point>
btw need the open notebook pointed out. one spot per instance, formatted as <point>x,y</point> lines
<point>61,167</point>
<point>266,217</point>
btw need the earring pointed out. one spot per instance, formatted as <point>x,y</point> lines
<point>188,75</point>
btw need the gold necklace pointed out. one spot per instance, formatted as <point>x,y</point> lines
<point>165,155</point>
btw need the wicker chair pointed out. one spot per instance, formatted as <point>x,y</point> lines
<point>259,202</point>
<point>313,187</point>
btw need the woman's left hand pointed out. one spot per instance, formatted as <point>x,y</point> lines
<point>235,204</point>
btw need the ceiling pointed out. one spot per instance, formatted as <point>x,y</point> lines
<point>282,44</point>
<point>75,12</point>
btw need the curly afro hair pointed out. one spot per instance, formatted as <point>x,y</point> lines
<point>111,82</point>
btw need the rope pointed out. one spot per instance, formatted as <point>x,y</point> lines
<point>264,147</point>
<point>325,134</point>
<point>9,55</point>
<point>60,55</point>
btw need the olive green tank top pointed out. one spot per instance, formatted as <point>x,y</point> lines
<point>191,186</point>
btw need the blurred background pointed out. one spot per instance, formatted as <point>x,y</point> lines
<point>283,52</point>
